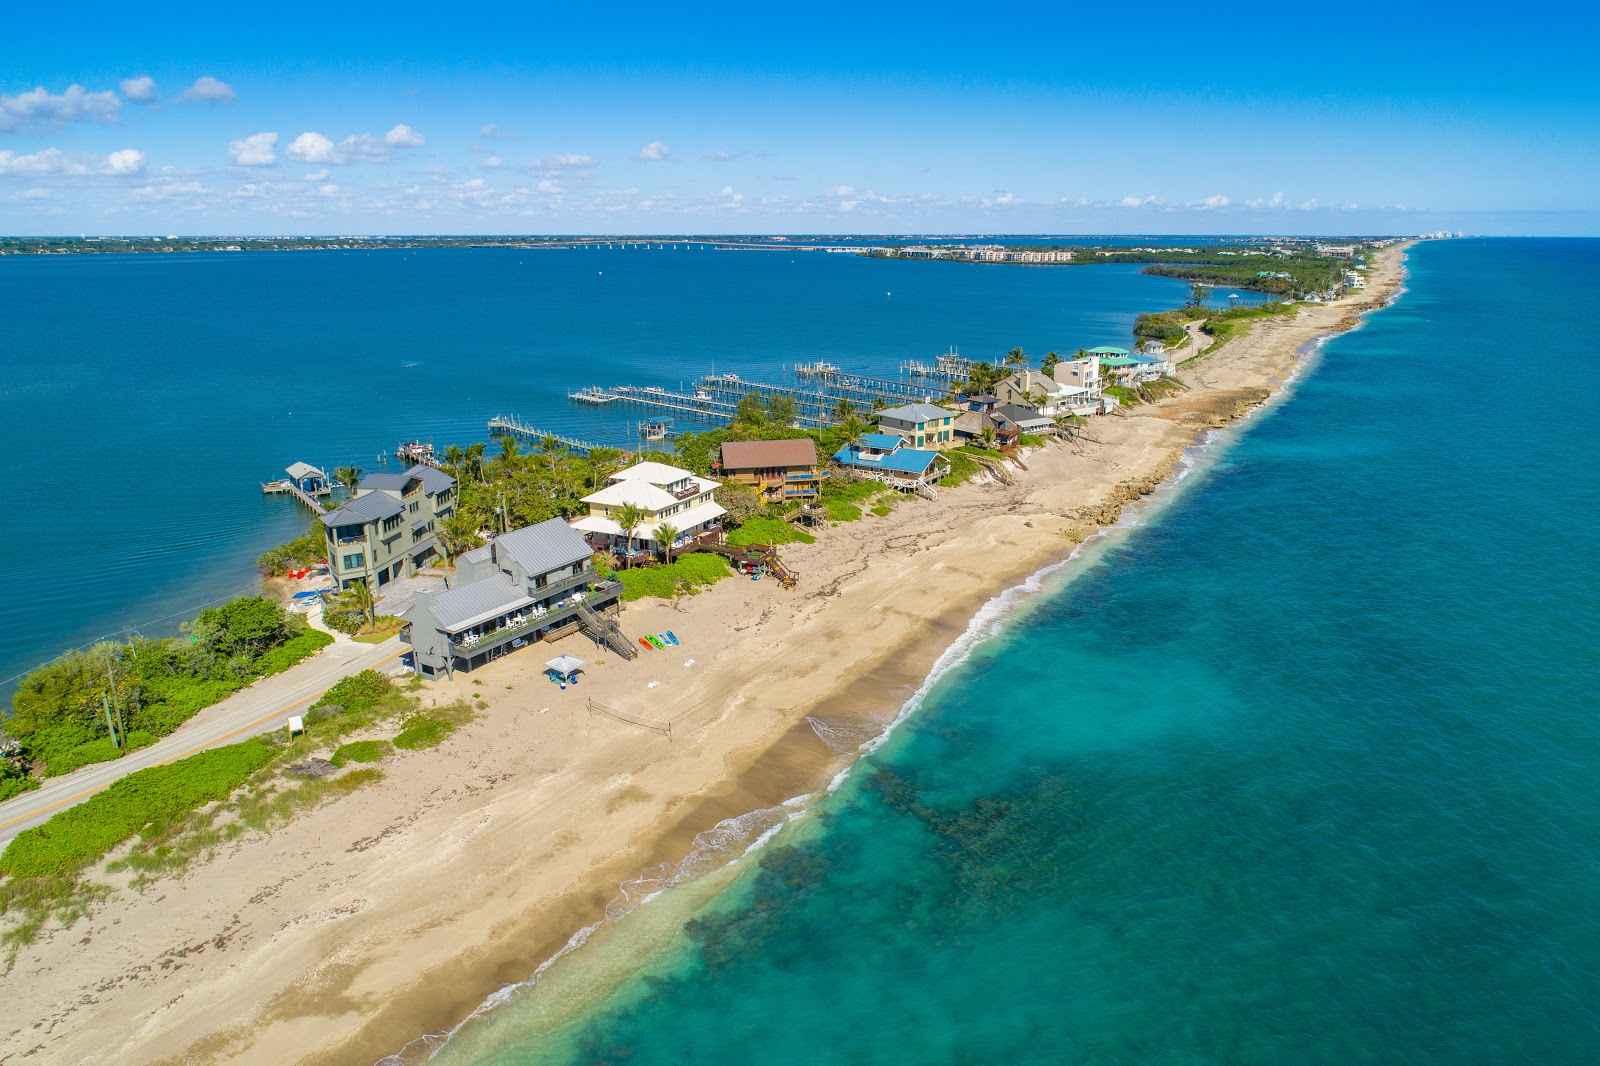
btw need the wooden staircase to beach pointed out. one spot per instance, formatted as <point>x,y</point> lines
<point>605,631</point>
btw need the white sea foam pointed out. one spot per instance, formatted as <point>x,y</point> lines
<point>735,838</point>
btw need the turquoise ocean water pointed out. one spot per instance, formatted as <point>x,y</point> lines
<point>144,398</point>
<point>1305,768</point>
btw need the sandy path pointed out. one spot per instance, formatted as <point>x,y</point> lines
<point>395,910</point>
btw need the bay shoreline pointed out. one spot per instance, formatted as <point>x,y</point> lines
<point>335,931</point>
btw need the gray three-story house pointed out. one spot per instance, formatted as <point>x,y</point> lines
<point>518,588</point>
<point>389,527</point>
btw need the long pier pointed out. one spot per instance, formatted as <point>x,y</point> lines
<point>273,488</point>
<point>512,426</point>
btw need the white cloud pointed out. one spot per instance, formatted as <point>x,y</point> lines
<point>126,161</point>
<point>1210,203</point>
<point>1278,200</point>
<point>168,190</point>
<point>723,156</point>
<point>140,90</point>
<point>489,132</point>
<point>207,90</point>
<point>313,147</point>
<point>403,136</point>
<point>1134,201</point>
<point>37,193</point>
<point>53,161</point>
<point>730,198</point>
<point>255,150</point>
<point>654,152</point>
<point>317,175</point>
<point>42,107</point>
<point>492,161</point>
<point>551,164</point>
<point>1308,205</point>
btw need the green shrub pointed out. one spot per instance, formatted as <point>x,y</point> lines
<point>839,511</point>
<point>963,468</point>
<point>362,751</point>
<point>358,692</point>
<point>422,731</point>
<point>302,551</point>
<point>768,531</point>
<point>295,650</point>
<point>12,787</point>
<point>144,800</point>
<point>686,574</point>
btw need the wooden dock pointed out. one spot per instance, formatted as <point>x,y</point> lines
<point>284,485</point>
<point>512,426</point>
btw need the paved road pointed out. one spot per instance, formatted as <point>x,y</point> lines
<point>262,707</point>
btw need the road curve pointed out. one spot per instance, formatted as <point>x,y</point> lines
<point>261,708</point>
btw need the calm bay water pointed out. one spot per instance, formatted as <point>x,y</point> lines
<point>143,398</point>
<point>1303,770</point>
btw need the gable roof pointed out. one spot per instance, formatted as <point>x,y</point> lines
<point>368,507</point>
<point>385,482</point>
<point>300,470</point>
<point>916,412</point>
<point>760,454</point>
<point>883,442</point>
<point>472,603</point>
<point>542,547</point>
<point>1107,349</point>
<point>434,481</point>
<point>1020,415</point>
<point>639,493</point>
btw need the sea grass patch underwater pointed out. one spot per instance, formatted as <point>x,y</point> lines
<point>1297,772</point>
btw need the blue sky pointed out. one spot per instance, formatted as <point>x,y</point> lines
<point>1021,118</point>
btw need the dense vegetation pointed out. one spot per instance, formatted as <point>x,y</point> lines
<point>171,814</point>
<point>306,550</point>
<point>685,575</point>
<point>90,706</point>
<point>142,800</point>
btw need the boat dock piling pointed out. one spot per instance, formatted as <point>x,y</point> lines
<point>512,426</point>
<point>284,485</point>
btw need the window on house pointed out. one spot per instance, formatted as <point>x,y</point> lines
<point>353,561</point>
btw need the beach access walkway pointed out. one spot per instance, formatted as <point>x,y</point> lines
<point>261,708</point>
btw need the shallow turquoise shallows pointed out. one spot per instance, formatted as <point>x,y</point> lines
<point>144,398</point>
<point>1306,769</point>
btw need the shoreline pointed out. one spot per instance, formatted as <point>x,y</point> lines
<point>345,943</point>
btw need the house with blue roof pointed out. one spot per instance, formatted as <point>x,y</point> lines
<point>885,457</point>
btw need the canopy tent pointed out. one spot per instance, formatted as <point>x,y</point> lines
<point>565,664</point>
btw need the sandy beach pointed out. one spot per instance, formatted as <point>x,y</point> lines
<point>394,911</point>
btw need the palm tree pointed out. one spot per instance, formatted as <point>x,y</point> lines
<point>361,592</point>
<point>602,463</point>
<point>628,517</point>
<point>987,436</point>
<point>474,460</point>
<point>665,534</point>
<point>852,428</point>
<point>510,449</point>
<point>349,477</point>
<point>1048,363</point>
<point>1015,357</point>
<point>454,457</point>
<point>843,410</point>
<point>457,534</point>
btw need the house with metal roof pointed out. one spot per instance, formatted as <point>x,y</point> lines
<point>885,457</point>
<point>1021,419</point>
<point>922,425</point>
<point>664,495</point>
<point>389,527</point>
<point>1052,398</point>
<point>781,470</point>
<point>535,583</point>
<point>309,479</point>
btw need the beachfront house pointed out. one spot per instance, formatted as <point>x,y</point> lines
<point>923,425</point>
<point>781,470</point>
<point>662,494</point>
<point>534,583</point>
<point>1019,419</point>
<point>886,457</point>
<point>389,527</point>
<point>1082,373</point>
<point>1051,397</point>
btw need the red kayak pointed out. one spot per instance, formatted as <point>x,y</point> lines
<point>647,644</point>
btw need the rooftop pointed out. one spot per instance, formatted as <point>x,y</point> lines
<point>1109,350</point>
<point>883,442</point>
<point>917,412</point>
<point>904,461</point>
<point>538,549</point>
<point>371,507</point>
<point>300,470</point>
<point>472,603</point>
<point>760,454</point>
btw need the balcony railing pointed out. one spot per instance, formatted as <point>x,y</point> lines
<point>531,621</point>
<point>353,540</point>
<point>811,475</point>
